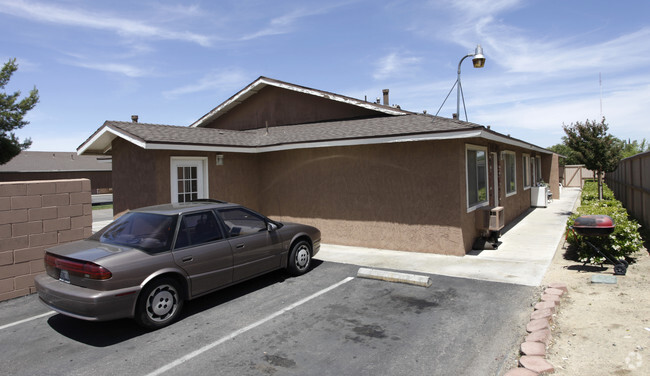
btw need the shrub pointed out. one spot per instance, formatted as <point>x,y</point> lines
<point>624,241</point>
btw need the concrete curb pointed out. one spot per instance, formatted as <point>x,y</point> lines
<point>533,350</point>
<point>385,275</point>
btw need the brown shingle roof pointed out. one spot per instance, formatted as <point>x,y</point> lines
<point>49,161</point>
<point>402,125</point>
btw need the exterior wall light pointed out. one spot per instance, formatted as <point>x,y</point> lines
<point>219,159</point>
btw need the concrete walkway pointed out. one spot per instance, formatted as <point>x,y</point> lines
<point>527,249</point>
<point>101,218</point>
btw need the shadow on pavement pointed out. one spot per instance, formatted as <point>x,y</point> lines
<point>109,333</point>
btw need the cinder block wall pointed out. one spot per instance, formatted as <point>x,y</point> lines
<point>35,215</point>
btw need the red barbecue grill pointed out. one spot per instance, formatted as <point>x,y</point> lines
<point>598,225</point>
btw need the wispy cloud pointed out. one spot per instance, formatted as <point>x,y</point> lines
<point>527,55</point>
<point>123,69</point>
<point>550,113</point>
<point>476,9</point>
<point>57,14</point>
<point>223,81</point>
<point>285,23</point>
<point>394,64</point>
<point>466,22</point>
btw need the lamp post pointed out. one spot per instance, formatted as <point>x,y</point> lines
<point>479,62</point>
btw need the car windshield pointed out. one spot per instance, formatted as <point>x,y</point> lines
<point>149,232</point>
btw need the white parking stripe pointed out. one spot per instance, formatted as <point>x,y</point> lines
<point>244,329</point>
<point>27,320</point>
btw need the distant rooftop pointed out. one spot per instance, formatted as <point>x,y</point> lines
<point>56,161</point>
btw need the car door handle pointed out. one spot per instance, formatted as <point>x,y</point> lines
<point>187,259</point>
<point>239,246</point>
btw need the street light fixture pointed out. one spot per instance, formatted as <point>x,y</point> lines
<point>479,62</point>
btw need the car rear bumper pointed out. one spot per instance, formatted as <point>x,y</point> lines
<point>83,303</point>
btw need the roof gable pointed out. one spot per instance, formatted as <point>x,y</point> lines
<point>267,103</point>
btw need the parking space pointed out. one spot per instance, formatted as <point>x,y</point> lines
<point>323,323</point>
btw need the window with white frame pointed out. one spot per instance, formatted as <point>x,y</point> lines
<point>477,176</point>
<point>538,161</point>
<point>511,172</point>
<point>526,170</point>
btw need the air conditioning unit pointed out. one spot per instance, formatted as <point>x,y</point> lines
<point>489,221</point>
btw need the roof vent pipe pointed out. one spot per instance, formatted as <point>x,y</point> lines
<point>385,91</point>
<point>134,118</point>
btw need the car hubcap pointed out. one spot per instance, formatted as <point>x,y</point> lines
<point>302,257</point>
<point>161,303</point>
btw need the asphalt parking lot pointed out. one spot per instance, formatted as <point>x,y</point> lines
<point>327,322</point>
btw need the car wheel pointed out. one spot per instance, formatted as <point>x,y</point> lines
<point>300,258</point>
<point>159,304</point>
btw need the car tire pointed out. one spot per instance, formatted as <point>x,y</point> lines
<point>299,258</point>
<point>159,304</point>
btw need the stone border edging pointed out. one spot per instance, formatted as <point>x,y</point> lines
<point>533,350</point>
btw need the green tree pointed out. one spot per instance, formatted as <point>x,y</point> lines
<point>565,151</point>
<point>12,113</point>
<point>598,150</point>
<point>633,148</point>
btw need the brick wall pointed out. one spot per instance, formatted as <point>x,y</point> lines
<point>35,215</point>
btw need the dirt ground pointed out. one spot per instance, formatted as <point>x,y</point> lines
<point>601,329</point>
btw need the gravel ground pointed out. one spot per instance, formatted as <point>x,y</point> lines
<point>601,329</point>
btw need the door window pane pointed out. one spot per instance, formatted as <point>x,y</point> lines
<point>198,228</point>
<point>241,222</point>
<point>187,184</point>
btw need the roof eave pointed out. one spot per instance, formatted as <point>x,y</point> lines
<point>429,136</point>
<point>100,143</point>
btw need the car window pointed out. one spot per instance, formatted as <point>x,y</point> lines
<point>151,233</point>
<point>240,222</point>
<point>198,228</point>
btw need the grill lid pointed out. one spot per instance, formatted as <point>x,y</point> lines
<point>594,221</point>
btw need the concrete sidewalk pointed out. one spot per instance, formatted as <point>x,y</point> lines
<point>101,218</point>
<point>527,249</point>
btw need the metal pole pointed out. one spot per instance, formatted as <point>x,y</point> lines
<point>458,87</point>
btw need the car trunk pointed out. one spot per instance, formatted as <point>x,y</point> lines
<point>79,263</point>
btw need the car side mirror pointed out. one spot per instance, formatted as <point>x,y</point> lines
<point>270,226</point>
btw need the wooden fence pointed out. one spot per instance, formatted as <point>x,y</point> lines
<point>575,175</point>
<point>631,185</point>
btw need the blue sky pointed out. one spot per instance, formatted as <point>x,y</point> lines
<point>171,62</point>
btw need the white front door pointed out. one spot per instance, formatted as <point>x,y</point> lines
<point>189,178</point>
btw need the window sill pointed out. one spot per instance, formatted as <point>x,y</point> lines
<point>477,206</point>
